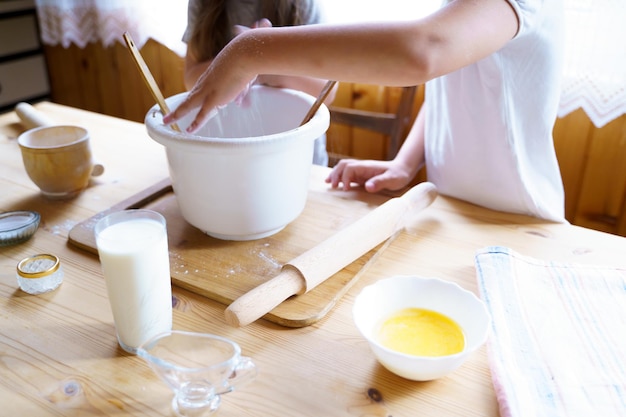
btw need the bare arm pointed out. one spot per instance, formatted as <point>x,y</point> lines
<point>390,53</point>
<point>309,85</point>
<point>313,86</point>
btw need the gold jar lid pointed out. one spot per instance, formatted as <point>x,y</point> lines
<point>38,266</point>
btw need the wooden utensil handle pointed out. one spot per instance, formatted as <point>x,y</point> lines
<point>262,299</point>
<point>344,247</point>
<point>147,77</point>
<point>321,262</point>
<point>31,117</point>
<point>318,102</point>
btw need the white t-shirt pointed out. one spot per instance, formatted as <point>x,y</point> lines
<point>489,125</point>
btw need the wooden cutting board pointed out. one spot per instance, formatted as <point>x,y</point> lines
<point>224,270</point>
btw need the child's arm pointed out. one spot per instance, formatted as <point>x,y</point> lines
<point>390,53</point>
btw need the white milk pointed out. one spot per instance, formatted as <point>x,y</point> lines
<point>135,263</point>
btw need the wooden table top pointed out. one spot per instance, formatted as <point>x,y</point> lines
<point>59,354</point>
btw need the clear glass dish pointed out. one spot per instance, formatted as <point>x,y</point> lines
<point>39,274</point>
<point>18,226</point>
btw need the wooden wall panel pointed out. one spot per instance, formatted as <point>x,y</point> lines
<point>339,137</point>
<point>601,200</point>
<point>106,64</point>
<point>106,80</point>
<point>64,65</point>
<point>367,144</point>
<point>593,166</point>
<point>571,142</point>
<point>135,96</point>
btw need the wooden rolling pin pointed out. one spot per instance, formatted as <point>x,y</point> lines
<point>324,260</point>
<point>32,117</point>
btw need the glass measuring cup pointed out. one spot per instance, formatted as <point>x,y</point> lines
<point>198,367</point>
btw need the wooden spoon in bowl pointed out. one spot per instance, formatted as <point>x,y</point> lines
<point>318,102</point>
<point>147,77</point>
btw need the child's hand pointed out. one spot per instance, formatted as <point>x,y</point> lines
<point>375,176</point>
<point>205,95</point>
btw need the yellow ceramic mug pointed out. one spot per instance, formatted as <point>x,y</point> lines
<point>58,159</point>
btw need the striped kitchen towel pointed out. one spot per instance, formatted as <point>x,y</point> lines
<point>558,339</point>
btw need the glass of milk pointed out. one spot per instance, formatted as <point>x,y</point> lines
<point>132,245</point>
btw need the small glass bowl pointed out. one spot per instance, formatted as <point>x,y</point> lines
<point>39,274</point>
<point>18,226</point>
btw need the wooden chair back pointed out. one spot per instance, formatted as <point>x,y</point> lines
<point>390,124</point>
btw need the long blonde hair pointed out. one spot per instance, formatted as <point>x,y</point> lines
<point>213,29</point>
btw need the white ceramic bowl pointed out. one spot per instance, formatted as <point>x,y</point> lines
<point>245,174</point>
<point>387,296</point>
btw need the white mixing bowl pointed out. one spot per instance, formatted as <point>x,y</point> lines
<point>245,174</point>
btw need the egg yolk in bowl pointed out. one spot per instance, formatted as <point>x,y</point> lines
<point>421,332</point>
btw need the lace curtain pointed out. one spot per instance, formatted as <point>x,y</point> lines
<point>79,22</point>
<point>594,77</point>
<point>595,72</point>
